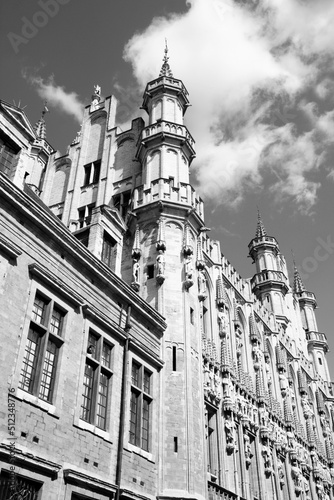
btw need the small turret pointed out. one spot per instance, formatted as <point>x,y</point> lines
<point>166,148</point>
<point>316,342</point>
<point>270,281</point>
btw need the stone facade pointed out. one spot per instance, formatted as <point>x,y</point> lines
<point>138,363</point>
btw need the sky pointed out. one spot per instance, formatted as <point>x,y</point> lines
<point>260,77</point>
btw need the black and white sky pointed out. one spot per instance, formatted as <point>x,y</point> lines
<point>260,77</point>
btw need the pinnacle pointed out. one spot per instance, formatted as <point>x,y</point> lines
<point>40,126</point>
<point>298,285</point>
<point>165,68</point>
<point>260,229</point>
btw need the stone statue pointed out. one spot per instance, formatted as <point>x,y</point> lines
<point>189,268</point>
<point>135,271</point>
<point>307,410</point>
<point>222,321</point>
<point>283,383</point>
<point>97,89</point>
<point>257,353</point>
<point>201,283</point>
<point>229,429</point>
<point>248,450</point>
<point>160,263</point>
<point>266,453</point>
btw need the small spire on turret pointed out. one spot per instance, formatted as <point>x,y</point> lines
<point>298,285</point>
<point>165,68</point>
<point>40,126</point>
<point>260,229</point>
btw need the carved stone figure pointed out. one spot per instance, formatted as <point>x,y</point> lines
<point>207,381</point>
<point>229,429</point>
<point>266,453</point>
<point>281,475</point>
<point>307,410</point>
<point>283,383</point>
<point>97,89</point>
<point>189,268</point>
<point>222,321</point>
<point>297,478</point>
<point>201,283</point>
<point>217,385</point>
<point>248,450</point>
<point>263,416</point>
<point>160,263</point>
<point>135,271</point>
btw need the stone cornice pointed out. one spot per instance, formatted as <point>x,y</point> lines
<point>88,482</point>
<point>29,461</point>
<point>9,248</point>
<point>53,281</point>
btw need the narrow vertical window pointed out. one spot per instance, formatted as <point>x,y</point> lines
<point>174,358</point>
<point>191,315</point>
<point>96,172</point>
<point>97,380</point>
<point>108,249</point>
<point>140,406</point>
<point>43,343</point>
<point>87,169</point>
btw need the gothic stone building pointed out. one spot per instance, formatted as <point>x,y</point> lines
<point>136,363</point>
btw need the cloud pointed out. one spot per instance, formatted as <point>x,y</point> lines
<point>250,68</point>
<point>57,96</point>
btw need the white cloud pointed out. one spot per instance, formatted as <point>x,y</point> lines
<point>249,68</point>
<point>57,96</point>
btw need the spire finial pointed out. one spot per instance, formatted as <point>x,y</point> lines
<point>40,127</point>
<point>260,229</point>
<point>298,285</point>
<point>165,68</point>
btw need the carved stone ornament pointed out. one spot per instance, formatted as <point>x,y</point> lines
<point>267,458</point>
<point>135,275</point>
<point>248,450</point>
<point>188,271</point>
<point>229,431</point>
<point>201,285</point>
<point>160,260</point>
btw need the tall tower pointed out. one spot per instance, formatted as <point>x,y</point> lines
<point>270,283</point>
<point>166,223</point>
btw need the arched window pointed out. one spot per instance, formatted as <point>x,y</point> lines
<point>157,111</point>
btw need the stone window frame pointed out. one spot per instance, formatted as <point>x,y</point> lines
<point>92,172</point>
<point>35,372</point>
<point>108,249</point>
<point>52,287</point>
<point>140,406</point>
<point>91,394</point>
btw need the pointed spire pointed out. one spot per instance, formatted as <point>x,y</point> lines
<point>253,329</point>
<point>220,292</point>
<point>298,285</point>
<point>136,252</point>
<point>40,127</point>
<point>200,263</point>
<point>161,241</point>
<point>224,356</point>
<point>187,246</point>
<point>260,392</point>
<point>302,382</point>
<point>310,433</point>
<point>165,68</point>
<point>260,229</point>
<point>320,401</point>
